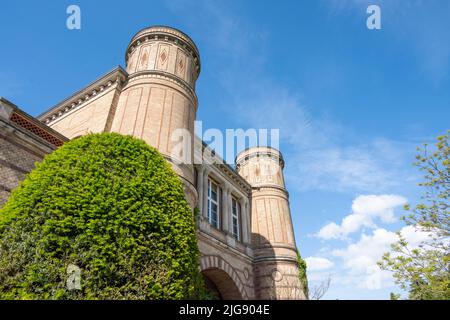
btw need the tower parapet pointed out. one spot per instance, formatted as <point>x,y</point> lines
<point>275,251</point>
<point>165,51</point>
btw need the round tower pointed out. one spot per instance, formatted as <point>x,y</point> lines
<point>275,251</point>
<point>158,102</point>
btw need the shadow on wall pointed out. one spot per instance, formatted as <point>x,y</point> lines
<point>265,269</point>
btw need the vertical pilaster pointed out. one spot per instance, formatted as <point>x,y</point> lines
<point>225,207</point>
<point>205,193</point>
<point>244,223</point>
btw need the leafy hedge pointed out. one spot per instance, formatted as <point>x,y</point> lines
<point>113,207</point>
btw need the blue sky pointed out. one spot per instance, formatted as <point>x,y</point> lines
<point>351,104</point>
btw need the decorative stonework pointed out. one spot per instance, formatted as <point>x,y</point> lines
<point>246,274</point>
<point>163,57</point>
<point>180,66</point>
<point>165,34</point>
<point>28,125</point>
<point>235,177</point>
<point>277,276</point>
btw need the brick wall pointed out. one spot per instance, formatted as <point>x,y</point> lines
<point>15,162</point>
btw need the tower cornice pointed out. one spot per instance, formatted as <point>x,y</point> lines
<point>263,151</point>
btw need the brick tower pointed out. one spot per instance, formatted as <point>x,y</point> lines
<point>275,252</point>
<point>159,97</point>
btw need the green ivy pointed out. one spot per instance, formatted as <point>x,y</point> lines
<point>110,205</point>
<point>302,274</point>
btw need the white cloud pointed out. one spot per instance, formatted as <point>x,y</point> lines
<point>359,260</point>
<point>381,206</point>
<point>318,263</point>
<point>354,266</point>
<point>329,231</point>
<point>367,251</point>
<point>415,236</point>
<point>366,209</point>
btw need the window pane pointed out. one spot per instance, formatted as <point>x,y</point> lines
<point>235,227</point>
<point>214,221</point>
<point>213,190</point>
<point>235,218</point>
<point>234,207</point>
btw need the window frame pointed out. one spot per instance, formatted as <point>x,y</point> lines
<point>235,214</point>
<point>216,202</point>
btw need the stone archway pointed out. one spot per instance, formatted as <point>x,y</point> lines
<point>222,279</point>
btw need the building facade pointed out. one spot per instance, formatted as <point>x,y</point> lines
<point>245,232</point>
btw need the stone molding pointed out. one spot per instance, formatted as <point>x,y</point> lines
<point>219,164</point>
<point>241,250</point>
<point>158,74</point>
<point>244,156</point>
<point>266,186</point>
<point>277,258</point>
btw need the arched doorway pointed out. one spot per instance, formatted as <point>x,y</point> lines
<point>220,286</point>
<point>221,280</point>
